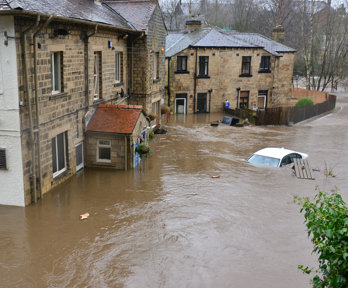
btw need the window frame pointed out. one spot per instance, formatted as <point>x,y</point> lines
<point>246,61</point>
<point>203,66</point>
<point>56,76</point>
<point>118,67</point>
<point>101,145</point>
<point>155,65</point>
<point>97,76</point>
<point>179,64</point>
<point>264,69</point>
<point>244,97</point>
<point>58,155</point>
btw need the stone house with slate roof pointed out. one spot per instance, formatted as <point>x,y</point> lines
<point>208,66</point>
<point>58,61</point>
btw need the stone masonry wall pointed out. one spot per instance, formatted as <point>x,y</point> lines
<point>63,112</point>
<point>224,78</point>
<point>147,90</point>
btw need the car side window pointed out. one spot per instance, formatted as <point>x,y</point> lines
<point>295,156</point>
<point>286,160</point>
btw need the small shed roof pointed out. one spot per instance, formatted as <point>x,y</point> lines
<point>119,119</point>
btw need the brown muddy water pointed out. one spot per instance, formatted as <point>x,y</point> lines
<point>168,223</point>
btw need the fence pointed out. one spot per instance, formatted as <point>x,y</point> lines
<point>284,115</point>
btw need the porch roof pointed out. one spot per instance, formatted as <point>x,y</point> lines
<point>119,119</point>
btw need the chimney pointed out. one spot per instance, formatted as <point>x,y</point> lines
<point>278,34</point>
<point>193,24</point>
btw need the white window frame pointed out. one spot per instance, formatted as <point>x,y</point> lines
<point>118,67</point>
<point>56,80</point>
<point>155,65</point>
<point>102,145</point>
<point>96,76</point>
<point>1,79</point>
<point>58,172</point>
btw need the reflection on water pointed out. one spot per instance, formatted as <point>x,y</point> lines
<point>169,223</point>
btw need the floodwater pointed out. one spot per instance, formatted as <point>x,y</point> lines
<point>168,223</point>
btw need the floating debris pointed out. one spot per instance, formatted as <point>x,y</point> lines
<point>84,216</point>
<point>216,176</point>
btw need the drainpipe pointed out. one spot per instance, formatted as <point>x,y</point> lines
<point>210,90</point>
<point>86,65</point>
<point>195,84</point>
<point>169,59</point>
<point>31,124</point>
<point>36,99</point>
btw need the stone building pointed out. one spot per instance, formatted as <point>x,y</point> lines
<point>207,66</point>
<point>58,61</point>
<point>112,135</point>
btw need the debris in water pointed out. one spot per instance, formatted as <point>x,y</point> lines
<point>84,216</point>
<point>216,176</point>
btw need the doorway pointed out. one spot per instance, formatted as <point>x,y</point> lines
<point>202,103</point>
<point>180,104</point>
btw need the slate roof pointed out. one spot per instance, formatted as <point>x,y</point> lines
<point>138,13</point>
<point>75,9</point>
<point>120,119</point>
<point>215,37</point>
<point>269,45</point>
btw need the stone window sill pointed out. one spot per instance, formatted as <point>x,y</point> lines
<point>182,72</point>
<point>58,95</point>
<point>62,175</point>
<point>264,71</point>
<point>203,77</point>
<point>118,84</point>
<point>156,80</point>
<point>245,75</point>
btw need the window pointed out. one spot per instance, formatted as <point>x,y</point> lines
<point>59,154</point>
<point>244,100</point>
<point>156,65</point>
<point>246,66</point>
<point>3,159</point>
<point>203,66</point>
<point>155,107</point>
<point>265,64</point>
<point>56,72</point>
<point>181,64</point>
<point>119,67</point>
<point>104,151</point>
<point>97,76</point>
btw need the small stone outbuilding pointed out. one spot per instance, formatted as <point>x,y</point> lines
<point>112,134</point>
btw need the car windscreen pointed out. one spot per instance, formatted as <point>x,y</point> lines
<point>264,160</point>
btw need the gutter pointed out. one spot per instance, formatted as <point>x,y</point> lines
<point>169,59</point>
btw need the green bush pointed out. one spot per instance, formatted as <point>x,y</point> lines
<point>326,218</point>
<point>142,148</point>
<point>304,102</point>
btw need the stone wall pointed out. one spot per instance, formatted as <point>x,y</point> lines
<point>225,82</point>
<point>63,112</point>
<point>146,90</point>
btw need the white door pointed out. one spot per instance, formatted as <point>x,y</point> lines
<point>79,156</point>
<point>180,105</point>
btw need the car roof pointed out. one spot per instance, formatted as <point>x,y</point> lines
<point>275,152</point>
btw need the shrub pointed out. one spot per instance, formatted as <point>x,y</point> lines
<point>152,116</point>
<point>304,102</point>
<point>326,218</point>
<point>151,134</point>
<point>165,109</point>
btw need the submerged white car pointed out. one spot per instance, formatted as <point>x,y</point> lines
<point>275,157</point>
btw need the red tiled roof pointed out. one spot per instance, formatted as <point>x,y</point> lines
<point>138,13</point>
<point>120,119</point>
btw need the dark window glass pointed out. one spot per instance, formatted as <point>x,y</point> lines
<point>182,63</point>
<point>203,65</point>
<point>3,159</point>
<point>104,153</point>
<point>265,63</point>
<point>246,65</point>
<point>244,100</point>
<point>79,155</point>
